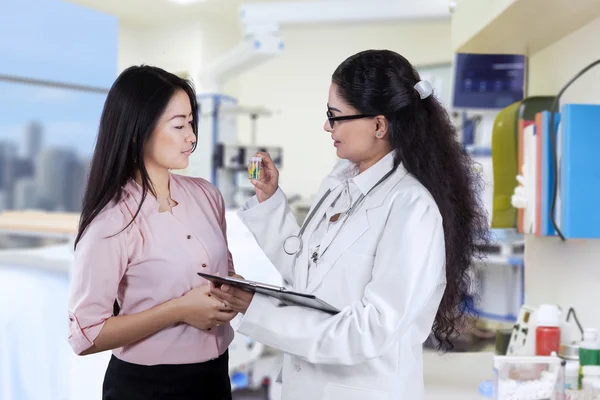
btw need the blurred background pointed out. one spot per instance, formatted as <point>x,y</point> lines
<point>262,71</point>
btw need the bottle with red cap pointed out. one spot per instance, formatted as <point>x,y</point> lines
<point>547,333</point>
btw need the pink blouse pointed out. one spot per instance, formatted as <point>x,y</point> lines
<point>154,260</point>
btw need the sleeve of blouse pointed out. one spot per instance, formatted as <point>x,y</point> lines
<point>223,222</point>
<point>99,265</point>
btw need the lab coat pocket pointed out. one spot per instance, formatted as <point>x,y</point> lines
<point>337,392</point>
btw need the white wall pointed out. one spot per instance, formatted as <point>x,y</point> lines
<point>566,273</point>
<point>296,85</point>
<point>177,47</point>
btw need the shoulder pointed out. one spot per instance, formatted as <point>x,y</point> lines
<point>197,185</point>
<point>109,223</point>
<point>408,195</point>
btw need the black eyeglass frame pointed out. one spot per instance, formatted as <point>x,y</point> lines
<point>332,119</point>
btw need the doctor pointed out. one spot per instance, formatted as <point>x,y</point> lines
<point>389,241</point>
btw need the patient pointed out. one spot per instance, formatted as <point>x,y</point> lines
<point>144,234</point>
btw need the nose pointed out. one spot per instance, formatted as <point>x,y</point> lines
<point>190,137</point>
<point>327,126</point>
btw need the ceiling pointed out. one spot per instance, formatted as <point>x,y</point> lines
<point>161,11</point>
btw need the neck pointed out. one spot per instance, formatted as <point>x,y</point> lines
<point>159,180</point>
<point>366,164</point>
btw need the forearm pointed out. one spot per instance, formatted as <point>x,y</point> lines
<point>126,329</point>
<point>271,222</point>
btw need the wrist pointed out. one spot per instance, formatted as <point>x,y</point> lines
<point>174,310</point>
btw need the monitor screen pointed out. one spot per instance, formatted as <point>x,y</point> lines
<point>488,81</point>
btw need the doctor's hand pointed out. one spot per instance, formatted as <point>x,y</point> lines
<point>201,310</point>
<point>269,178</point>
<point>236,299</point>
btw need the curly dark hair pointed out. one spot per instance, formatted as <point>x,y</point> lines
<point>381,82</point>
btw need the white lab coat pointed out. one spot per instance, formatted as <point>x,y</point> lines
<point>385,271</point>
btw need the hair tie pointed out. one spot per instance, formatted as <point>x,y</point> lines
<point>424,88</point>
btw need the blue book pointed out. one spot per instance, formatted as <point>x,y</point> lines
<point>548,171</point>
<point>579,173</point>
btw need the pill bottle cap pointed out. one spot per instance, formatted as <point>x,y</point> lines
<point>590,335</point>
<point>548,315</point>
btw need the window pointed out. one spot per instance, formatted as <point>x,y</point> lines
<point>54,74</point>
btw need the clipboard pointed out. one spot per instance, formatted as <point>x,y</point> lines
<point>284,295</point>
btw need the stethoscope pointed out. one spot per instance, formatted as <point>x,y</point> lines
<point>293,244</point>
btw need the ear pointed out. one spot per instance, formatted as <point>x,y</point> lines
<point>381,127</point>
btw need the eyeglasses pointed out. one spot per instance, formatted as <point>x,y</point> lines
<point>332,119</point>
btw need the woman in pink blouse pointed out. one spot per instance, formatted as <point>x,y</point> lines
<point>144,234</point>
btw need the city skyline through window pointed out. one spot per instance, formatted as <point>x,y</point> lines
<point>47,133</point>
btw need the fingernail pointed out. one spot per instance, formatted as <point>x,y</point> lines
<point>225,288</point>
<point>253,181</point>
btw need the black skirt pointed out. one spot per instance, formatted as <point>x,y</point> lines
<point>202,381</point>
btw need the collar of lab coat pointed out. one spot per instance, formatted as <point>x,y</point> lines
<point>367,179</point>
<point>358,223</point>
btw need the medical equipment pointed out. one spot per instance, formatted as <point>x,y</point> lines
<point>293,244</point>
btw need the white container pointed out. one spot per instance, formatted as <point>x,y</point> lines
<point>528,378</point>
<point>548,315</point>
<point>572,375</point>
<point>590,339</point>
<point>596,389</point>
<point>591,374</point>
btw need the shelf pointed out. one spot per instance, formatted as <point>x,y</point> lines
<point>478,151</point>
<point>39,222</point>
<point>517,26</point>
<point>495,317</point>
<point>494,259</point>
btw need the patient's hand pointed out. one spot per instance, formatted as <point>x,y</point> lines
<point>235,299</point>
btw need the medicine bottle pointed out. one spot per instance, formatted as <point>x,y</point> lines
<point>591,374</point>
<point>547,333</point>
<point>589,350</point>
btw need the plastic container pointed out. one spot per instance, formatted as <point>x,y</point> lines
<point>486,390</point>
<point>591,375</point>
<point>254,167</point>
<point>589,350</point>
<point>572,371</point>
<point>547,333</point>
<point>528,378</point>
<point>596,389</point>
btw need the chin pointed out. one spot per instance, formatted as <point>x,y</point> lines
<point>340,153</point>
<point>344,155</point>
<point>179,165</point>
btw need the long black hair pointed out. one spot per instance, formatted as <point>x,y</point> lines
<point>381,82</point>
<point>134,104</point>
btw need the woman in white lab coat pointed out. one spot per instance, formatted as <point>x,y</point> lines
<point>389,245</point>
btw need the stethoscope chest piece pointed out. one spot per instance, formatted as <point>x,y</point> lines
<point>292,245</point>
